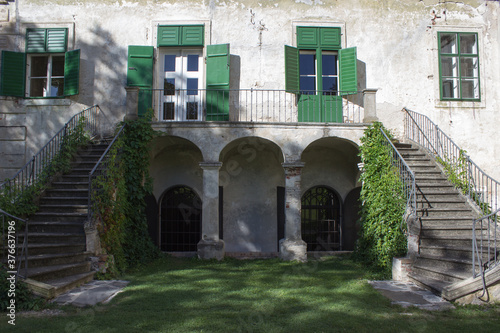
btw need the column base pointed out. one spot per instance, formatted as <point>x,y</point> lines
<point>211,249</point>
<point>293,249</point>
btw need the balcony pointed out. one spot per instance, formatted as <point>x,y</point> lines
<point>253,105</point>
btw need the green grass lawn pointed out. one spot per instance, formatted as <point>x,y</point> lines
<point>190,295</point>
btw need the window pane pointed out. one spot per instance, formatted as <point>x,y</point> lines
<point>192,62</point>
<point>37,87</point>
<point>39,66</point>
<point>58,66</point>
<point>168,111</point>
<point>468,44</point>
<point>449,66</point>
<point>169,63</point>
<point>329,64</point>
<point>470,88</point>
<point>330,85</point>
<point>468,67</point>
<point>169,87</point>
<point>192,110</point>
<point>307,85</point>
<point>450,88</point>
<point>56,87</point>
<point>307,64</point>
<point>448,43</point>
<point>192,86</point>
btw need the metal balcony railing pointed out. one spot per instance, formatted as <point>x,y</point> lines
<point>255,105</point>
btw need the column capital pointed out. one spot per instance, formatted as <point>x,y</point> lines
<point>210,165</point>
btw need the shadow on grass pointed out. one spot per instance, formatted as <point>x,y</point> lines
<point>190,295</point>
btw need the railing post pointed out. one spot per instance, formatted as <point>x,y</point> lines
<point>132,103</point>
<point>370,104</point>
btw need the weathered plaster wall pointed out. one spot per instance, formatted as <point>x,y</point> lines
<point>396,43</point>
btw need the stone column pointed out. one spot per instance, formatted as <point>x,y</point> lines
<point>132,103</point>
<point>370,104</point>
<point>292,247</point>
<point>210,245</point>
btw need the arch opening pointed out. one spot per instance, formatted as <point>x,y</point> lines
<point>180,220</point>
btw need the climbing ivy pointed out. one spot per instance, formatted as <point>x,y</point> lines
<point>119,204</point>
<point>23,202</point>
<point>382,234</point>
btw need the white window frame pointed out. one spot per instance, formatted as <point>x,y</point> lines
<point>47,91</point>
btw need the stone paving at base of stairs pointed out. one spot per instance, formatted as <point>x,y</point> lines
<point>92,293</point>
<point>408,294</point>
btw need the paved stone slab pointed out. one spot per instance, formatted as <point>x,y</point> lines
<point>92,293</point>
<point>408,294</point>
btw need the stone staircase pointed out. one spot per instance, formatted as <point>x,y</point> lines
<point>57,258</point>
<point>445,251</point>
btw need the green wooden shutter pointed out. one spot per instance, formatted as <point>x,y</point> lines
<point>169,35</point>
<point>330,37</point>
<point>140,74</point>
<point>52,40</point>
<point>13,75</point>
<point>72,73</point>
<point>307,37</point>
<point>57,40</point>
<point>35,40</point>
<point>348,71</point>
<point>192,35</point>
<point>218,65</point>
<point>292,84</point>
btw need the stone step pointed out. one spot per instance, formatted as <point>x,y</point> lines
<point>80,172</point>
<point>53,272</point>
<point>59,216</point>
<point>68,283</point>
<point>48,208</point>
<point>445,263</point>
<point>52,248</point>
<point>437,221</point>
<point>78,192</point>
<point>446,241</point>
<point>41,260</point>
<point>463,212</point>
<point>83,164</point>
<point>443,231</point>
<point>83,185</point>
<point>435,285</point>
<point>437,273</point>
<point>450,252</point>
<point>54,238</point>
<point>64,200</point>
<point>54,226</point>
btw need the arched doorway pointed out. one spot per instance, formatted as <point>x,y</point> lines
<point>180,220</point>
<point>321,225</point>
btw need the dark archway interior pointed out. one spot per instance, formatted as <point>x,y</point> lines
<point>321,224</point>
<point>180,228</point>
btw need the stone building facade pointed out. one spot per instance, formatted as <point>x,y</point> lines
<point>261,104</point>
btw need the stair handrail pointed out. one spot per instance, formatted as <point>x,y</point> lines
<point>489,239</point>
<point>407,177</point>
<point>479,187</point>
<point>100,167</point>
<point>30,172</point>
<point>10,244</point>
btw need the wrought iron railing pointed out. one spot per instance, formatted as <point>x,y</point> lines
<point>100,170</point>
<point>485,244</point>
<point>29,174</point>
<point>256,105</point>
<point>406,176</point>
<point>480,188</point>
<point>12,260</point>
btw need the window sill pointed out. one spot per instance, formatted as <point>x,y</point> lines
<point>45,102</point>
<point>460,104</point>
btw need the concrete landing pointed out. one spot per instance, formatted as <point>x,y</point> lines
<point>408,294</point>
<point>91,293</point>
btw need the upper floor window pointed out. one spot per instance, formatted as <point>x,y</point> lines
<point>46,69</point>
<point>459,66</point>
